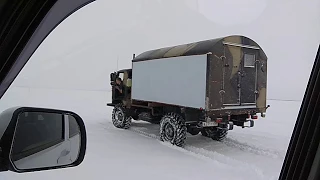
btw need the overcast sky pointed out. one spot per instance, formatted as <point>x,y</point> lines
<point>83,50</point>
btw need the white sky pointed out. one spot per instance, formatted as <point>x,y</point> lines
<point>84,49</point>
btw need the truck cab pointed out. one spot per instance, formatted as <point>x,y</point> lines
<point>126,76</point>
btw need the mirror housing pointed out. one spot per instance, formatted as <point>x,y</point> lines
<point>37,139</point>
<point>113,76</point>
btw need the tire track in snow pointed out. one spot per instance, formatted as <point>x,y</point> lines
<point>252,149</point>
<point>220,159</point>
<point>211,156</point>
<point>229,141</point>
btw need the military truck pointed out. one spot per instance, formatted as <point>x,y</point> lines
<point>202,87</point>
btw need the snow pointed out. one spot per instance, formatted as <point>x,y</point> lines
<point>250,153</point>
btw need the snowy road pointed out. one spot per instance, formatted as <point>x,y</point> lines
<point>255,153</point>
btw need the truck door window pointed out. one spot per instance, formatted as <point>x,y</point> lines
<point>249,60</point>
<point>121,76</point>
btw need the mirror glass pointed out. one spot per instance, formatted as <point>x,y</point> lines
<point>43,139</point>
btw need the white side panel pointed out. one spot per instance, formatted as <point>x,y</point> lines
<point>178,80</point>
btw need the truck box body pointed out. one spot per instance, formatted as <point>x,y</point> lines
<point>225,74</point>
<point>177,81</point>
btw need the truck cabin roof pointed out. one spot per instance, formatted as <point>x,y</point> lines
<point>123,70</point>
<point>200,47</point>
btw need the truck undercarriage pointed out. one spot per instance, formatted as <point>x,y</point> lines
<point>176,122</point>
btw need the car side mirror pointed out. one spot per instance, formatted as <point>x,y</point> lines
<point>41,139</point>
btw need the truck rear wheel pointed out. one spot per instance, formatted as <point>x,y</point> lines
<point>173,129</point>
<point>119,117</point>
<point>215,133</point>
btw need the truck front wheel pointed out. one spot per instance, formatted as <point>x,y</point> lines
<point>173,129</point>
<point>215,133</point>
<point>119,117</point>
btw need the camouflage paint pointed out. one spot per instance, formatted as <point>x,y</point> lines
<point>179,50</point>
<point>235,52</point>
<point>225,72</point>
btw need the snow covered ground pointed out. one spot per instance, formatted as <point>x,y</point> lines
<point>136,153</point>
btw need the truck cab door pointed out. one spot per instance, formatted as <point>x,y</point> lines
<point>116,95</point>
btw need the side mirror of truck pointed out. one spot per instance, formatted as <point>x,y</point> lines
<point>113,77</point>
<point>36,139</point>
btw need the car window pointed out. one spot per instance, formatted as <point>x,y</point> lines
<point>47,131</point>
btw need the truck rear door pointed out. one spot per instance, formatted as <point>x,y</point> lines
<point>248,77</point>
<point>240,75</point>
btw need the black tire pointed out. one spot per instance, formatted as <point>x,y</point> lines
<point>173,129</point>
<point>215,133</point>
<point>119,117</point>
